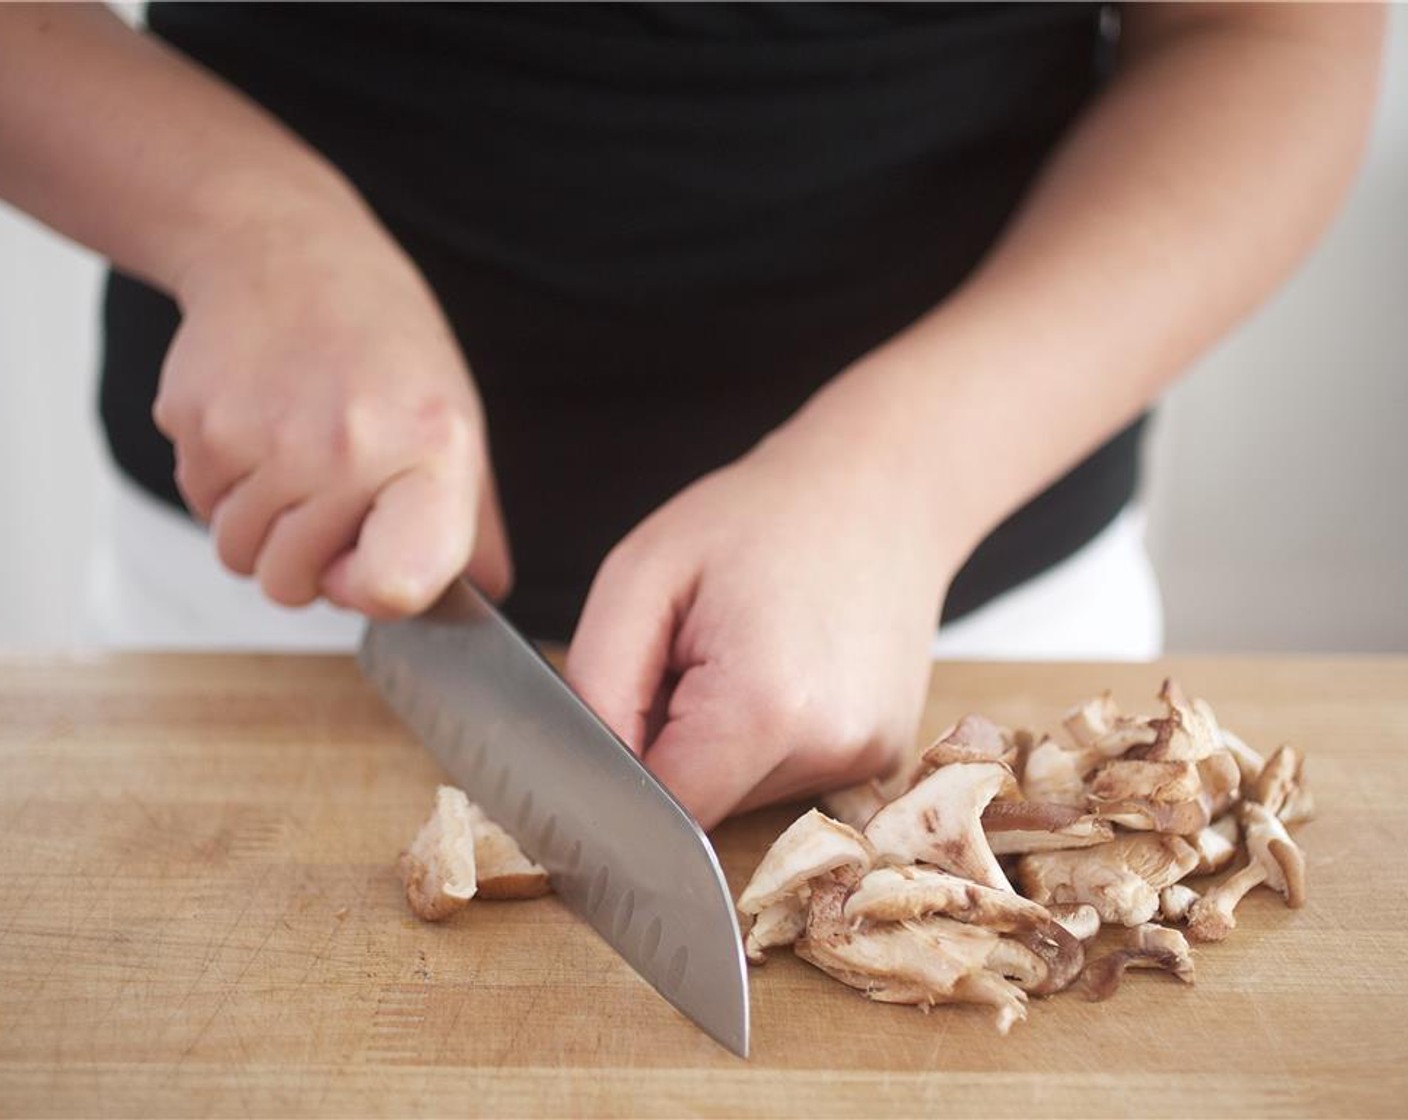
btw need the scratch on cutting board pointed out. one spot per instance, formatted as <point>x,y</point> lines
<point>397,1022</point>
<point>231,987</point>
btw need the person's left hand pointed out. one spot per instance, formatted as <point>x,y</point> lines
<point>765,634</point>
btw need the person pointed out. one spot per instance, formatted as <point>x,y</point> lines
<point>765,333</point>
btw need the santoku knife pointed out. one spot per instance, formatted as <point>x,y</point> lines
<point>622,853</point>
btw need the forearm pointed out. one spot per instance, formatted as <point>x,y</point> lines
<point>113,139</point>
<point>1186,193</point>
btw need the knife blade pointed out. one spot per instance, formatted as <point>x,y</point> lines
<point>622,853</point>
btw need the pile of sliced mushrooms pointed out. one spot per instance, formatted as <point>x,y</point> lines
<point>910,898</point>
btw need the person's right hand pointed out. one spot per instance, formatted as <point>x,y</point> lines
<point>326,425</point>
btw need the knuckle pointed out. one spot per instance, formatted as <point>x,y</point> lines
<point>633,560</point>
<point>218,432</point>
<point>356,433</point>
<point>782,713</point>
<point>166,413</point>
<point>445,428</point>
<point>617,562</point>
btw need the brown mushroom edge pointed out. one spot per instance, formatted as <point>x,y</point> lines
<point>911,898</point>
<point>460,854</point>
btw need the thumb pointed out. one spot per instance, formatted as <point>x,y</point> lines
<point>412,543</point>
<point>619,658</point>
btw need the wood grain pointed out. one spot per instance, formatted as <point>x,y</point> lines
<point>199,916</point>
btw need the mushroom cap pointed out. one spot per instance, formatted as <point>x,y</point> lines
<point>937,822</point>
<point>810,847</point>
<point>1097,727</point>
<point>1215,850</point>
<point>1079,919</point>
<point>1061,953</point>
<point>438,869</point>
<point>1013,961</point>
<point>1088,722</point>
<point>1281,786</point>
<point>1014,827</point>
<point>503,871</point>
<point>973,739</point>
<point>1054,775</point>
<point>1188,731</point>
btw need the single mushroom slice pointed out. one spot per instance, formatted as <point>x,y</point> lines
<point>776,925</point>
<point>1148,795</point>
<point>1215,845</point>
<point>503,871</point>
<point>938,822</point>
<point>1055,775</point>
<point>1079,919</point>
<point>972,739</point>
<point>896,894</point>
<point>1221,780</point>
<point>1120,879</point>
<point>1249,762</point>
<point>1175,901</point>
<point>812,845</point>
<point>1097,726</point>
<point>1274,860</point>
<point>1146,946</point>
<point>438,869</point>
<point>1088,722</point>
<point>1269,844</point>
<point>1281,787</point>
<point>1188,732</point>
<point>1014,827</point>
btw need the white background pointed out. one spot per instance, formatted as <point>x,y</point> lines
<point>1277,485</point>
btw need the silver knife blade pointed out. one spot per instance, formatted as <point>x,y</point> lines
<point>621,851</point>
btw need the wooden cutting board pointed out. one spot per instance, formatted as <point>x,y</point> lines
<point>199,916</point>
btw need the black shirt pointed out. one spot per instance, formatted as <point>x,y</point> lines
<point>657,229</point>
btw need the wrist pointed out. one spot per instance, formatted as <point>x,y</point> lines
<point>840,460</point>
<point>292,234</point>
